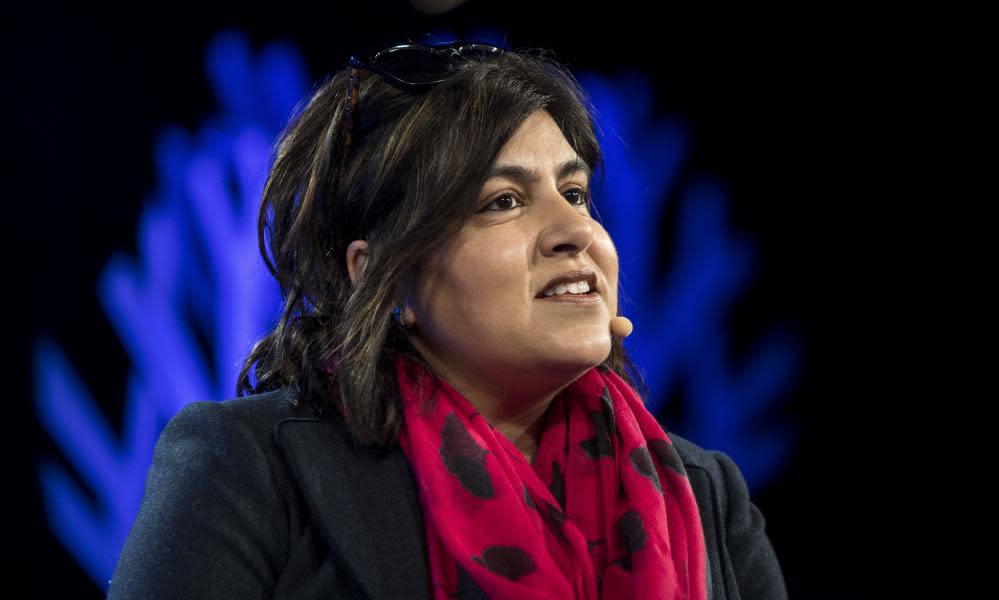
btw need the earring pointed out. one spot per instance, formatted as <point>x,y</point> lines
<point>397,314</point>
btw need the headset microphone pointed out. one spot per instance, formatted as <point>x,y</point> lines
<point>621,327</point>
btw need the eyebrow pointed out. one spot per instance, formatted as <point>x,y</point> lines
<point>525,176</point>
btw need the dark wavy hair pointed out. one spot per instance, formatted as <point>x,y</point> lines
<point>407,184</point>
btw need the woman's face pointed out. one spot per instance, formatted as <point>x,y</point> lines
<point>483,319</point>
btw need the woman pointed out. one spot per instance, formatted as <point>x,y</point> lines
<point>445,407</point>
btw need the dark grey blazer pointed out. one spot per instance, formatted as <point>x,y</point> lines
<point>258,498</point>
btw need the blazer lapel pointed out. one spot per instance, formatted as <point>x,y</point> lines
<point>366,504</point>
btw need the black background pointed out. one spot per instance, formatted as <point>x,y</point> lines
<point>858,149</point>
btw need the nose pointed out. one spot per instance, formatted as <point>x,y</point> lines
<point>567,229</point>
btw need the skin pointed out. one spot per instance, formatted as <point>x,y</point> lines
<point>478,322</point>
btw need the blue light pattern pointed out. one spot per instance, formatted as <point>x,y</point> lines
<point>680,338</point>
<point>198,276</point>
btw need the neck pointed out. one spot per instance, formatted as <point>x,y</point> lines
<point>514,401</point>
<point>516,407</point>
<point>517,414</point>
<point>523,428</point>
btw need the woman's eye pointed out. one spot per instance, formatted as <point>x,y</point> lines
<point>504,202</point>
<point>578,196</point>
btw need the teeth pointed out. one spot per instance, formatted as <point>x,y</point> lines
<point>581,287</point>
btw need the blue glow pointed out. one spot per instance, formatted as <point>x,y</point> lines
<point>680,338</point>
<point>113,467</point>
<point>198,276</point>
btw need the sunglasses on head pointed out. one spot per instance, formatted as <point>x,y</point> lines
<point>412,67</point>
<point>418,66</point>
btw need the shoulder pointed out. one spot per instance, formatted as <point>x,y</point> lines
<point>251,411</point>
<point>718,483</point>
<point>216,488</point>
<point>229,436</point>
<point>740,554</point>
<point>226,441</point>
<point>692,454</point>
<point>717,465</point>
<point>225,422</point>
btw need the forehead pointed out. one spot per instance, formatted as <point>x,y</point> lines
<point>537,142</point>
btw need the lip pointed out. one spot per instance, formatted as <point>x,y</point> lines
<point>589,298</point>
<point>587,275</point>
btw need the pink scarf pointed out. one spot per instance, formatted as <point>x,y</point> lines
<point>605,510</point>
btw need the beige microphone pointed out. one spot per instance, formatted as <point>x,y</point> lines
<point>621,327</point>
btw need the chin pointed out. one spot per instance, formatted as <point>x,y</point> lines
<point>580,358</point>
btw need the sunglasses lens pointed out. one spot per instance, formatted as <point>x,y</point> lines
<point>422,65</point>
<point>413,64</point>
<point>477,51</point>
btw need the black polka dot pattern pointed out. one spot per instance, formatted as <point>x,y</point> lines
<point>507,561</point>
<point>465,459</point>
<point>608,407</point>
<point>557,485</point>
<point>668,456</point>
<point>467,588</point>
<point>602,444</point>
<point>599,449</point>
<point>555,519</point>
<point>527,499</point>
<point>642,461</point>
<point>632,530</point>
<point>633,535</point>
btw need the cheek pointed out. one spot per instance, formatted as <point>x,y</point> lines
<point>604,253</point>
<point>484,275</point>
<point>495,267</point>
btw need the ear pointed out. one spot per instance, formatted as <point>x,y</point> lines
<point>357,259</point>
<point>408,316</point>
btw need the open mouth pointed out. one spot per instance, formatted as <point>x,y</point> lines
<point>576,284</point>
